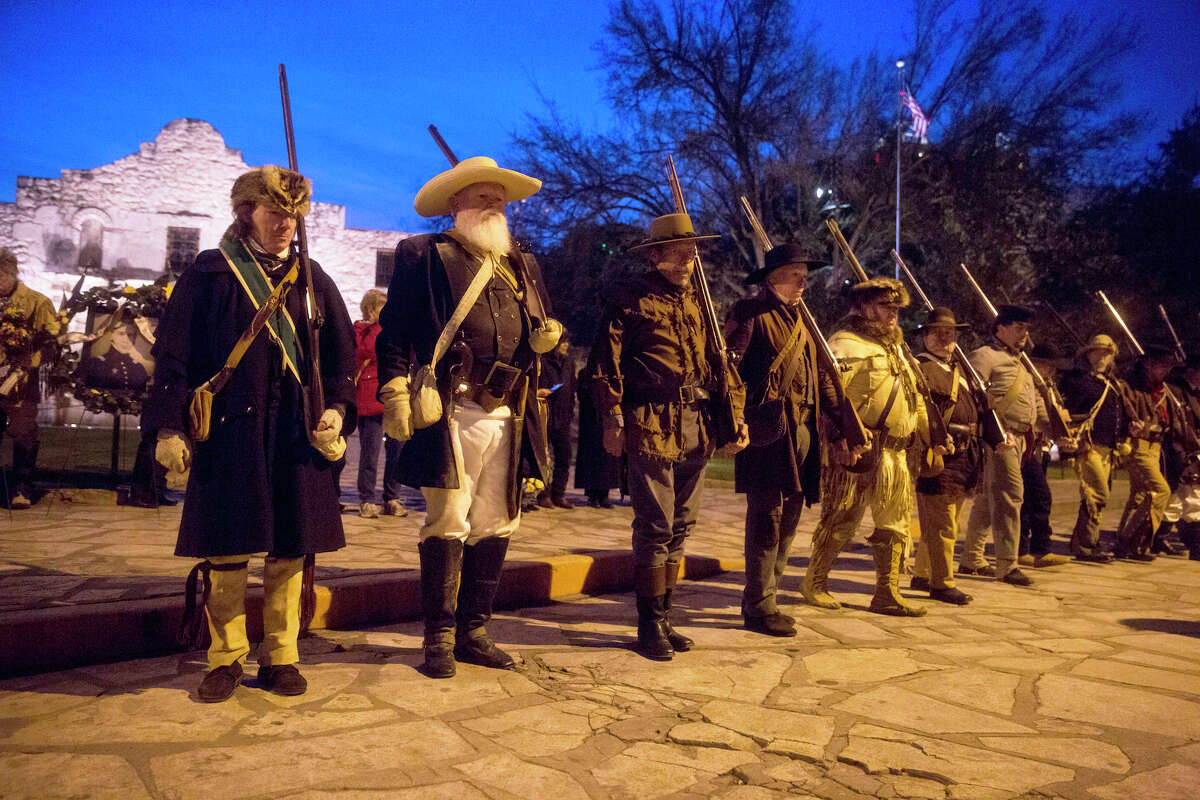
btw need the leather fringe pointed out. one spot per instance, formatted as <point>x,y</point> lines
<point>308,592</point>
<point>192,624</point>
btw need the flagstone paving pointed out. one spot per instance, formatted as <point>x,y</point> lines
<point>1085,686</point>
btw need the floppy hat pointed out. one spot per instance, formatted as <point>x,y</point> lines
<point>434,198</point>
<point>780,256</point>
<point>941,317</point>
<point>673,228</point>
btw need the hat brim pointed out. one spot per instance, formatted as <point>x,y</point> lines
<point>434,198</point>
<point>1083,351</point>
<point>691,237</point>
<point>958,326</point>
<point>760,275</point>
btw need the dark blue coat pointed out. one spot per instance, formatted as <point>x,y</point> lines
<point>256,484</point>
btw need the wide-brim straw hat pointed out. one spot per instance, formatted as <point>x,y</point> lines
<point>434,198</point>
<point>781,256</point>
<point>673,228</point>
<point>941,317</point>
<point>1101,341</point>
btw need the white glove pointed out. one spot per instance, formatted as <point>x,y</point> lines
<point>333,449</point>
<point>172,451</point>
<point>329,428</point>
<point>397,409</point>
<point>545,338</point>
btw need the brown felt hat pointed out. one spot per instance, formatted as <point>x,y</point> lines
<point>673,228</point>
<point>941,317</point>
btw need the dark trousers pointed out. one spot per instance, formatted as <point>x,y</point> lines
<point>666,499</point>
<point>771,520</point>
<point>19,421</point>
<point>1035,509</point>
<point>560,446</point>
<point>370,434</point>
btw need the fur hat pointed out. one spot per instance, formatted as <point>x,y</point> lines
<point>672,228</point>
<point>8,261</point>
<point>887,290</point>
<point>275,186</point>
<point>781,256</point>
<point>434,198</point>
<point>941,317</point>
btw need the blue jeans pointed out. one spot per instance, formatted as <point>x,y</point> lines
<point>370,432</point>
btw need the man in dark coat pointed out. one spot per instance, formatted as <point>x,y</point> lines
<point>940,497</point>
<point>256,483</point>
<point>596,471</point>
<point>652,371</point>
<point>558,390</point>
<point>466,461</point>
<point>781,476</point>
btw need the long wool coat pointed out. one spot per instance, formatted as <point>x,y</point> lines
<point>256,484</point>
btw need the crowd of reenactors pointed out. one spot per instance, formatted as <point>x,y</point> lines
<point>465,359</point>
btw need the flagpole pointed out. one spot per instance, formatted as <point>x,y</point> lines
<point>899,128</point>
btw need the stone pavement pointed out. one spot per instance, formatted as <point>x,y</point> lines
<point>1085,686</point>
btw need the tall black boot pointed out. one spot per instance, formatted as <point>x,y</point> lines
<point>482,563</point>
<point>441,563</point>
<point>679,642</point>
<point>652,640</point>
<point>1189,532</point>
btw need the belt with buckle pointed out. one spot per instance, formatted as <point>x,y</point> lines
<point>688,395</point>
<point>889,442</point>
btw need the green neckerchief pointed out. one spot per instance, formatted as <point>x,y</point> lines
<point>257,285</point>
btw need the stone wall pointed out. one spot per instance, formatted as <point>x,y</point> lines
<point>114,219</point>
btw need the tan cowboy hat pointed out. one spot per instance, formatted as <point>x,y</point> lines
<point>673,228</point>
<point>434,198</point>
<point>1101,341</point>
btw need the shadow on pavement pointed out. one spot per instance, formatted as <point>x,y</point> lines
<point>1181,627</point>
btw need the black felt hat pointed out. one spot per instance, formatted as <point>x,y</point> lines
<point>780,256</point>
<point>1008,314</point>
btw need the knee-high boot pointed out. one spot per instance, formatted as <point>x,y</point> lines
<point>652,640</point>
<point>481,566</point>
<point>441,563</point>
<point>888,549</point>
<point>679,642</point>
<point>815,586</point>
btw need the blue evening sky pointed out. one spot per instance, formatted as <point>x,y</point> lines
<point>83,83</point>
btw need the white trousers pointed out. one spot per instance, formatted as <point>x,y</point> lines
<point>477,509</point>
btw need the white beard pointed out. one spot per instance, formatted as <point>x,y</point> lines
<point>484,230</point>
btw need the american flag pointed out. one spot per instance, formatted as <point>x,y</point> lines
<point>920,122</point>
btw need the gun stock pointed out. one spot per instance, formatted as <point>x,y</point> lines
<point>314,391</point>
<point>849,422</point>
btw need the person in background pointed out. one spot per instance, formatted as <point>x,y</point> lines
<point>370,418</point>
<point>1034,545</point>
<point>558,378</point>
<point>596,471</point>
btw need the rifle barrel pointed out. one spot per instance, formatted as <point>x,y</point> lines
<point>1179,351</point>
<point>1120,321</point>
<point>912,281</point>
<point>441,143</point>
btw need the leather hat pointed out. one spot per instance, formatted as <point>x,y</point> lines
<point>941,317</point>
<point>673,228</point>
<point>780,256</point>
<point>434,198</point>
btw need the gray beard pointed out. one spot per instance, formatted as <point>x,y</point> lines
<point>489,234</point>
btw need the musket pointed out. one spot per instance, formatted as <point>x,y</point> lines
<point>725,421</point>
<point>937,425</point>
<point>849,423</point>
<point>1060,425</point>
<point>992,428</point>
<point>314,390</point>
<point>1057,316</point>
<point>1180,353</point>
<point>1137,347</point>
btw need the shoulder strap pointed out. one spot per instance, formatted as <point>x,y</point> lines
<point>1014,390</point>
<point>792,363</point>
<point>474,289</point>
<point>264,313</point>
<point>254,281</point>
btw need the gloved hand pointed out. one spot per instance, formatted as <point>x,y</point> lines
<point>172,451</point>
<point>740,443</point>
<point>327,438</point>
<point>397,409</point>
<point>545,338</point>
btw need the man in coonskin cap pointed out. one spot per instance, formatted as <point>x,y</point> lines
<point>1012,394</point>
<point>881,383</point>
<point>260,481</point>
<point>485,354</point>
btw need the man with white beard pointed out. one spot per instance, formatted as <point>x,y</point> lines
<point>470,303</point>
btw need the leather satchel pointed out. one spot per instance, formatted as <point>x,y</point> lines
<point>767,421</point>
<point>423,391</point>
